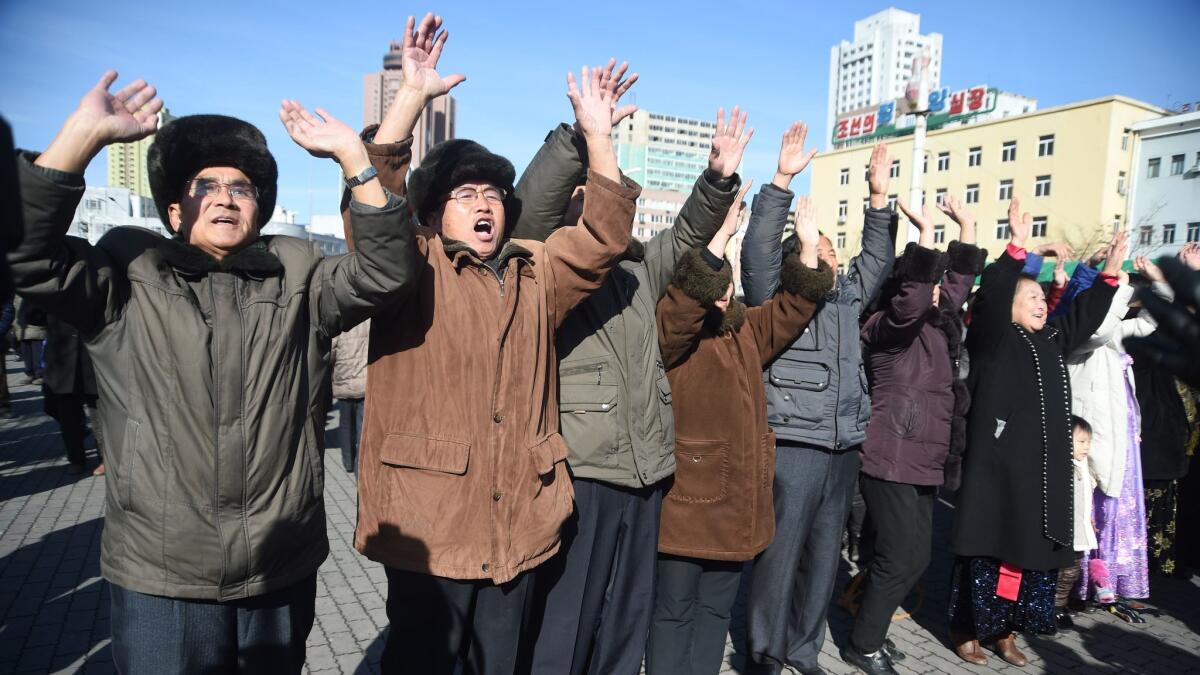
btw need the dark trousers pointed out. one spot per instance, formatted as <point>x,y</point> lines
<point>31,356</point>
<point>436,621</point>
<point>693,602</point>
<point>793,579</point>
<point>350,419</point>
<point>263,634</point>
<point>593,601</point>
<point>5,402</point>
<point>902,515</point>
<point>68,411</point>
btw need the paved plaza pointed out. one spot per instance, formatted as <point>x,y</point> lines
<point>54,606</point>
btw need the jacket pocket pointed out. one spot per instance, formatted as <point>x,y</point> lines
<point>314,448</point>
<point>809,340</point>
<point>582,399</point>
<point>418,451</point>
<point>767,457</point>
<point>804,375</point>
<point>548,452</point>
<point>130,451</point>
<point>701,472</point>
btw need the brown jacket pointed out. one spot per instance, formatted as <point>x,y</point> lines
<point>462,465</point>
<point>721,503</point>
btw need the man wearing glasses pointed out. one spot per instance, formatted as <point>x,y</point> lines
<point>463,484</point>
<point>211,353</point>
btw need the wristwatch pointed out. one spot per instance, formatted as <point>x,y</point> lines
<point>366,175</point>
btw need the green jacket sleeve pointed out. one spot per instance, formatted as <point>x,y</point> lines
<point>545,188</point>
<point>698,220</point>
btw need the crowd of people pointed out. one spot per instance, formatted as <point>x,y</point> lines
<point>573,449</point>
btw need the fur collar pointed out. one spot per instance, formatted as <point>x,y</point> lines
<point>635,251</point>
<point>460,252</point>
<point>730,321</point>
<point>255,259</point>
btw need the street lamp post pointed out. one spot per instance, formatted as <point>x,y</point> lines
<point>917,93</point>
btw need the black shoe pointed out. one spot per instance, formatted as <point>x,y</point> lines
<point>893,654</point>
<point>874,664</point>
<point>1062,618</point>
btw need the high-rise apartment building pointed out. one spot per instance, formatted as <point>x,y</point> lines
<point>663,152</point>
<point>127,162</point>
<point>379,89</point>
<point>877,66</point>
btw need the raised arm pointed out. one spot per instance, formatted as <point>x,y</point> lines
<point>964,259</point>
<point>1175,345</point>
<point>873,264</point>
<point>581,255</point>
<point>1084,318</point>
<point>762,249</point>
<point>803,281</point>
<point>548,183</point>
<point>899,322</point>
<point>80,284</point>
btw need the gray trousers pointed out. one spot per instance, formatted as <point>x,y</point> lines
<point>793,579</point>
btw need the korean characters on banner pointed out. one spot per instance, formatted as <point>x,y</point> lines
<point>944,106</point>
<point>964,102</point>
<point>865,125</point>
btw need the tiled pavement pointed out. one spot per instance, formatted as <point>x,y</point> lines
<point>54,606</point>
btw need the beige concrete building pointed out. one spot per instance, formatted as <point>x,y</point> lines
<point>437,123</point>
<point>1069,165</point>
<point>127,162</point>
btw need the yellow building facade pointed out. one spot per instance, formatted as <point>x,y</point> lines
<point>1070,166</point>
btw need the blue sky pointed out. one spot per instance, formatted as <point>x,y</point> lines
<point>772,58</point>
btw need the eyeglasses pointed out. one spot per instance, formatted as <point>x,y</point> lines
<point>467,195</point>
<point>203,187</point>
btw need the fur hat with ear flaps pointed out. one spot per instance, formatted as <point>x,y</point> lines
<point>195,142</point>
<point>454,162</point>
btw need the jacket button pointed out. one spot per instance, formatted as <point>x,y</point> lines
<point>486,567</point>
<point>497,418</point>
<point>496,496</point>
<point>787,397</point>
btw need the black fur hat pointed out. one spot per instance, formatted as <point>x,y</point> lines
<point>188,144</point>
<point>453,162</point>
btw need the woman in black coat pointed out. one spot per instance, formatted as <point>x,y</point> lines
<point>1013,526</point>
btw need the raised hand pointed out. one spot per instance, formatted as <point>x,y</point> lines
<point>923,220</point>
<point>807,230</point>
<point>1055,249</point>
<point>1190,255</point>
<point>793,158</point>
<point>422,48</point>
<point>1146,267</point>
<point>959,213</point>
<point>1060,273</point>
<point>1116,254</point>
<point>728,143</point>
<point>103,118</point>
<point>733,220</point>
<point>1021,224</point>
<point>879,176</point>
<point>617,84</point>
<point>323,136</point>
<point>592,103</point>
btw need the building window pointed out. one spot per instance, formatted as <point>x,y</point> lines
<point>841,240</point>
<point>1152,167</point>
<point>1041,186</point>
<point>867,172</point>
<point>1046,145</point>
<point>1117,222</point>
<point>1005,192</point>
<point>1120,182</point>
<point>1125,141</point>
<point>973,193</point>
<point>925,164</point>
<point>1039,227</point>
<point>892,202</point>
<point>1193,233</point>
<point>866,204</point>
<point>1002,229</point>
<point>1176,165</point>
<point>895,168</point>
<point>939,234</point>
<point>975,157</point>
<point>1008,151</point>
<point>843,210</point>
<point>940,197</point>
<point>1145,235</point>
<point>1168,233</point>
<point>943,161</point>
<point>844,178</point>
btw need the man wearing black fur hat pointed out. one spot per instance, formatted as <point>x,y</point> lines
<point>463,484</point>
<point>211,353</point>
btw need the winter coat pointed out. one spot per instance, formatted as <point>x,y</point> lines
<point>462,467</point>
<point>817,388</point>
<point>30,323</point>
<point>910,365</point>
<point>1098,378</point>
<point>212,378</point>
<point>720,505</point>
<point>1084,485</point>
<point>614,395</point>
<point>349,362</point>
<point>1165,427</point>
<point>68,366</point>
<point>1016,501</point>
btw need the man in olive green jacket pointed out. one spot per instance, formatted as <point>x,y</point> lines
<point>594,599</point>
<point>211,355</point>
